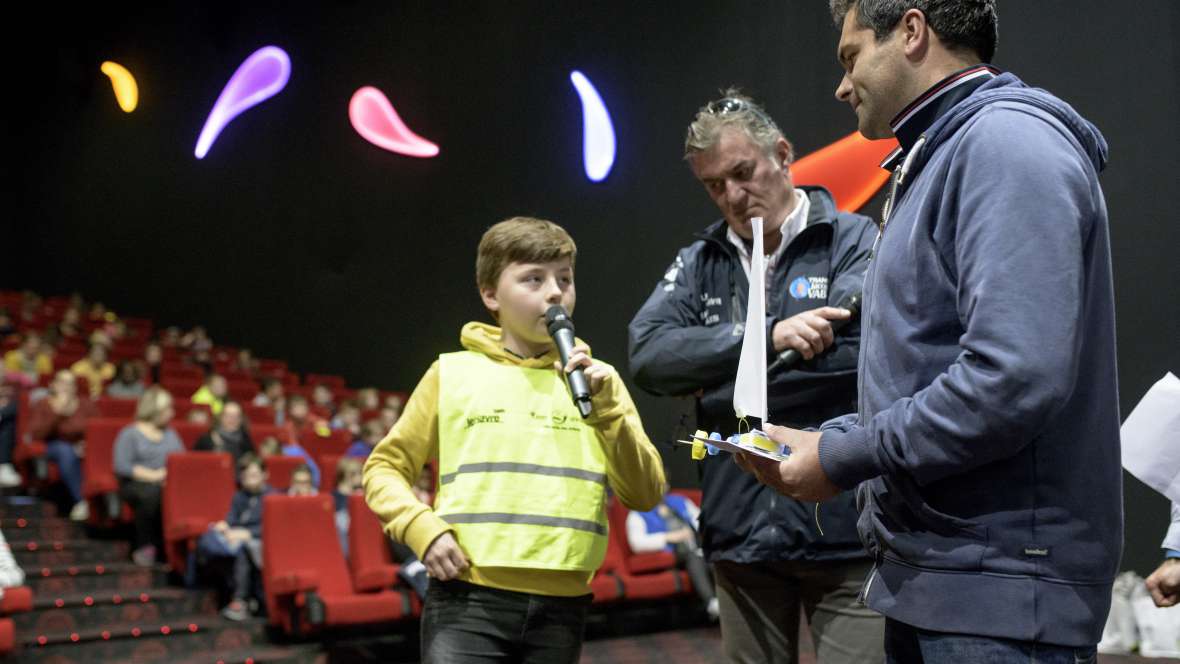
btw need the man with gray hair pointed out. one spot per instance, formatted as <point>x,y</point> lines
<point>773,557</point>
<point>985,449</point>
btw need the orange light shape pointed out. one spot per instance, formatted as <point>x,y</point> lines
<point>126,91</point>
<point>850,168</point>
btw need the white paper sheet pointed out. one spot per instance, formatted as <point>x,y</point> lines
<point>749,392</point>
<point>1151,438</point>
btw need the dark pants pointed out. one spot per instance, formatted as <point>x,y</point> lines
<point>7,432</point>
<point>690,557</point>
<point>905,644</point>
<point>247,578</point>
<point>144,499</point>
<point>761,605</point>
<point>464,623</point>
<point>69,466</point>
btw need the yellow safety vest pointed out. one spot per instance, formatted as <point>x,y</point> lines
<point>521,477</point>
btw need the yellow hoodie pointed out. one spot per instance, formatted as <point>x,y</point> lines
<point>633,467</point>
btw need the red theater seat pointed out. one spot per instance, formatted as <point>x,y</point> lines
<point>98,466</point>
<point>114,407</point>
<point>369,559</point>
<point>308,586</point>
<point>189,432</point>
<point>644,575</point>
<point>327,464</point>
<point>279,468</point>
<point>257,414</point>
<point>333,382</point>
<point>198,492</point>
<point>334,444</point>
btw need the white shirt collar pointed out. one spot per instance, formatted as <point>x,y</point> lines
<point>792,226</point>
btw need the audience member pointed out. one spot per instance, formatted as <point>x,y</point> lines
<point>198,416</point>
<point>239,537</point>
<point>348,418</point>
<point>368,399</point>
<point>153,359</point>
<point>302,483</point>
<point>229,434</point>
<point>213,393</point>
<point>95,368</point>
<point>9,402</point>
<point>348,482</point>
<point>127,383</point>
<point>672,526</point>
<point>372,434</point>
<point>140,453</point>
<point>322,402</point>
<point>30,359</point>
<point>60,420</point>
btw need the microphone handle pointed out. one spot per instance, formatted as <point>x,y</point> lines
<point>579,388</point>
<point>790,357</point>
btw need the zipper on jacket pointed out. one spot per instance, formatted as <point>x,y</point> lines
<point>863,598</point>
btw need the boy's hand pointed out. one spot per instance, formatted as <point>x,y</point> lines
<point>596,373</point>
<point>444,560</point>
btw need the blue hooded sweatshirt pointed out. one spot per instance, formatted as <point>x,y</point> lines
<point>986,446</point>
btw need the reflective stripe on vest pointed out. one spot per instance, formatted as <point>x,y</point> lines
<point>521,477</point>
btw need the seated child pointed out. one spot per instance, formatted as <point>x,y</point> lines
<point>672,526</point>
<point>239,537</point>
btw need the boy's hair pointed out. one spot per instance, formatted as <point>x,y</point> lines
<point>301,468</point>
<point>250,459</point>
<point>345,466</point>
<point>520,240</point>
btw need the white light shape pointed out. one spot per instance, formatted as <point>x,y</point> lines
<point>598,134</point>
<point>261,76</point>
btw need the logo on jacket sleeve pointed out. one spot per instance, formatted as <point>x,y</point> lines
<point>811,288</point>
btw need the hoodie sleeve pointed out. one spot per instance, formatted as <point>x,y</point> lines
<point>1015,216</point>
<point>670,351</point>
<point>394,466</point>
<point>633,466</point>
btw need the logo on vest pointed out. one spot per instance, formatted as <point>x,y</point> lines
<point>811,288</point>
<point>494,418</point>
<point>555,421</point>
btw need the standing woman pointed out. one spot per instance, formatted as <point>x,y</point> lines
<point>140,452</point>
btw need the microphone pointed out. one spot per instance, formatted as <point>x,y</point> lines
<point>561,328</point>
<point>790,357</point>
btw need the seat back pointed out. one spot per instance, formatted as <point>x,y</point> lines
<point>368,545</point>
<point>198,492</point>
<point>98,466</point>
<point>279,468</point>
<point>299,538</point>
<point>115,407</point>
<point>319,447</point>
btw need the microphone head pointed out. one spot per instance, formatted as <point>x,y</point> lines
<point>851,302</point>
<point>558,319</point>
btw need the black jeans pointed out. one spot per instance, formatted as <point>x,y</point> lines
<point>463,623</point>
<point>144,499</point>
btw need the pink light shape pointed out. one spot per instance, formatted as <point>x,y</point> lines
<point>261,76</point>
<point>373,117</point>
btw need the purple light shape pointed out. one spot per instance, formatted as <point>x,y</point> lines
<point>261,76</point>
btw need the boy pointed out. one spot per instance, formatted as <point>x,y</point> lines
<point>239,536</point>
<point>519,522</point>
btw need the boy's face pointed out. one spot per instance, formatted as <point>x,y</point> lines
<point>252,478</point>
<point>524,292</point>
<point>300,485</point>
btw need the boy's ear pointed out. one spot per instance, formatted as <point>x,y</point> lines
<point>488,295</point>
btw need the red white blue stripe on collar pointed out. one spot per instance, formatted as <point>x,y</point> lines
<point>937,91</point>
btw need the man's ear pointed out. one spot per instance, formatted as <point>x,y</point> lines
<point>915,34</point>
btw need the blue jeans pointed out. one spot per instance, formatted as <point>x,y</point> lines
<point>68,465</point>
<point>905,644</point>
<point>464,623</point>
